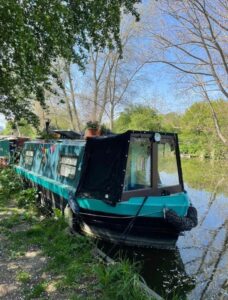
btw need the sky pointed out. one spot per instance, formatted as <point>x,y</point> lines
<point>158,86</point>
<point>2,120</point>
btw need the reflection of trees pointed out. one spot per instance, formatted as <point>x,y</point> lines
<point>218,255</point>
<point>224,287</point>
<point>211,200</point>
<point>211,257</point>
<point>204,174</point>
<point>217,261</point>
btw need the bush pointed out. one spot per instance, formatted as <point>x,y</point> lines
<point>10,184</point>
<point>26,198</point>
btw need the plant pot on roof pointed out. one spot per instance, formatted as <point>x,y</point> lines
<point>92,129</point>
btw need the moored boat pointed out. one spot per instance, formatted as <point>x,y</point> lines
<point>10,147</point>
<point>117,187</point>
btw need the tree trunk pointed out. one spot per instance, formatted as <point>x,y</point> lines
<point>18,129</point>
<point>73,101</point>
<point>69,110</point>
<point>215,118</point>
<point>112,116</point>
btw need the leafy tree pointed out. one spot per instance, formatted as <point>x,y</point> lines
<point>21,128</point>
<point>171,122</point>
<point>198,134</point>
<point>33,34</point>
<point>138,117</point>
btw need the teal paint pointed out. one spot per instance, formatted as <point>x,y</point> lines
<point>44,171</point>
<point>152,208</point>
<point>60,189</point>
<point>4,148</point>
<point>47,156</point>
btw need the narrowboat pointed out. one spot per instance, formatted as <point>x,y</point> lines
<point>124,188</point>
<point>10,147</point>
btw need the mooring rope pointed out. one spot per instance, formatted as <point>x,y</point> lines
<point>129,227</point>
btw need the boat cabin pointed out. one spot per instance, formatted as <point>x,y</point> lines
<point>132,164</point>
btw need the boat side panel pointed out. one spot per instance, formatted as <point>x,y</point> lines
<point>153,207</point>
<point>61,190</point>
<point>4,148</point>
<point>46,160</point>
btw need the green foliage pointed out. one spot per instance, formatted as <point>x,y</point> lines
<point>119,281</point>
<point>138,117</point>
<point>47,135</point>
<point>206,175</point>
<point>70,258</point>
<point>23,276</point>
<point>37,290</point>
<point>23,126</point>
<point>12,188</point>
<point>92,125</point>
<point>171,122</point>
<point>31,39</point>
<point>27,198</point>
<point>196,128</point>
<point>10,184</point>
<point>198,135</point>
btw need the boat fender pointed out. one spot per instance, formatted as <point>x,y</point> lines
<point>73,204</point>
<point>182,223</point>
<point>72,213</point>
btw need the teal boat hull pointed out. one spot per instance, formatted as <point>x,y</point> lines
<point>103,221</point>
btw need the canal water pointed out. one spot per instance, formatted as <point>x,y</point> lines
<point>198,268</point>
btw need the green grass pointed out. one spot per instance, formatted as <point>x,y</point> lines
<point>23,276</point>
<point>37,291</point>
<point>70,260</point>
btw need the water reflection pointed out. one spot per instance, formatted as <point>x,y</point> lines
<point>198,269</point>
<point>204,250</point>
<point>163,271</point>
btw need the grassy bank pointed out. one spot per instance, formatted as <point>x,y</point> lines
<point>40,259</point>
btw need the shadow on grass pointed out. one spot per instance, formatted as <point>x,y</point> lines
<point>74,271</point>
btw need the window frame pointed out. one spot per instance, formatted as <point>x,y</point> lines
<point>59,165</point>
<point>154,190</point>
<point>26,164</point>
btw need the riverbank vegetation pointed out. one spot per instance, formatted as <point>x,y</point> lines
<point>197,134</point>
<point>40,259</point>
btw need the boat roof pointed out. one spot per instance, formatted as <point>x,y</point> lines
<point>135,132</point>
<point>67,134</point>
<point>13,137</point>
<point>128,133</point>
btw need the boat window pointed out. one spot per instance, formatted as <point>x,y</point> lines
<point>167,165</point>
<point>67,166</point>
<point>28,158</point>
<point>138,171</point>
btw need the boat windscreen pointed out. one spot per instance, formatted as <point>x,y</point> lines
<point>138,172</point>
<point>104,167</point>
<point>167,165</point>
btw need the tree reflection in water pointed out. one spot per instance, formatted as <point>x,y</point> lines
<point>198,268</point>
<point>204,250</point>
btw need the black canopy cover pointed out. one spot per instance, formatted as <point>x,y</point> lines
<point>103,168</point>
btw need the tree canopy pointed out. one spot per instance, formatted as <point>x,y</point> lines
<point>33,34</point>
<point>138,117</point>
<point>195,127</point>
